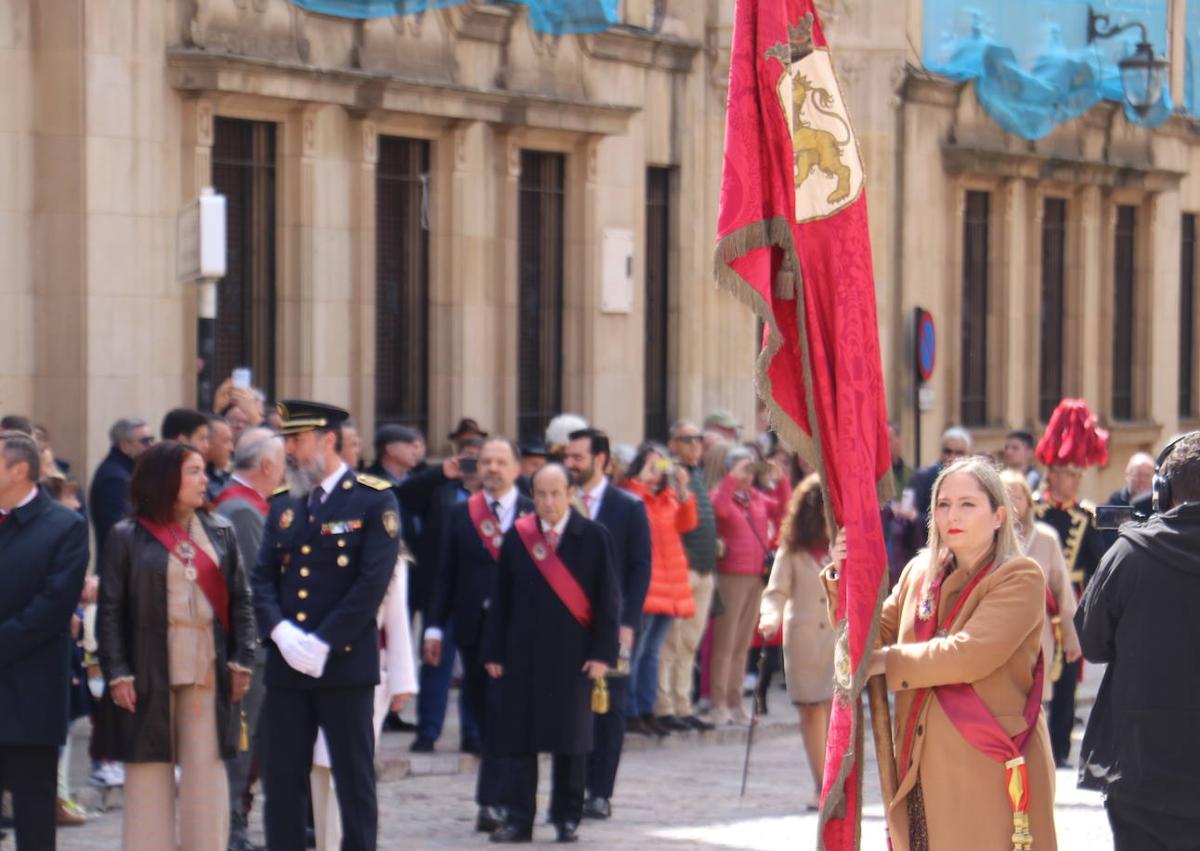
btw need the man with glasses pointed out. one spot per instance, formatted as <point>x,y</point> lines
<point>108,500</point>
<point>956,444</point>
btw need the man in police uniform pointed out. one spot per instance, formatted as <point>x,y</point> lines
<point>1071,444</point>
<point>328,552</point>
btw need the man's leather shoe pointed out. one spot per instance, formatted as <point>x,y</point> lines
<point>655,728</point>
<point>421,744</point>
<point>698,723</point>
<point>597,808</point>
<point>567,831</point>
<point>472,745</point>
<point>675,725</point>
<point>638,726</point>
<point>490,819</point>
<point>512,833</point>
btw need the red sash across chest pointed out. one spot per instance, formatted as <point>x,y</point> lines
<point>486,523</point>
<point>971,717</point>
<point>238,490</point>
<point>561,581</point>
<point>208,574</point>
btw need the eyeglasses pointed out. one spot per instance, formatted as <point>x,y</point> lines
<point>689,438</point>
<point>146,441</point>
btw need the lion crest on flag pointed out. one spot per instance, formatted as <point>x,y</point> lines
<point>828,170</point>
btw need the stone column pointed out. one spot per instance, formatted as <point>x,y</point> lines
<point>1086,330</point>
<point>362,342</point>
<point>1157,329</point>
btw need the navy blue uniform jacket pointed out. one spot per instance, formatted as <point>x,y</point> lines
<point>328,572</point>
<point>43,559</point>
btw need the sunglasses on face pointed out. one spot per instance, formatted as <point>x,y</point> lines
<point>953,453</point>
<point>689,438</point>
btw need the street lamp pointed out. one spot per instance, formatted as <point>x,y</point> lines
<point>1142,72</point>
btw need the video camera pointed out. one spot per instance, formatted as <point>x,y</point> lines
<point>1159,498</point>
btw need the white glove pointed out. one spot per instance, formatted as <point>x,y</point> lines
<point>293,646</point>
<point>319,651</point>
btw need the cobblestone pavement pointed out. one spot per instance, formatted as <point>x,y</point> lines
<point>680,795</point>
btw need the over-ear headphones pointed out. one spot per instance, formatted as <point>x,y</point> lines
<point>1161,489</point>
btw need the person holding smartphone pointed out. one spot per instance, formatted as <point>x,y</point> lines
<point>663,486</point>
<point>429,498</point>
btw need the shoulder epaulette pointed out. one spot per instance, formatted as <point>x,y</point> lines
<point>279,491</point>
<point>373,482</point>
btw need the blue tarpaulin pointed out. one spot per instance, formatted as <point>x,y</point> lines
<point>556,17</point>
<point>1030,61</point>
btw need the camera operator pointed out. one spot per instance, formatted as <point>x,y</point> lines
<point>1138,614</point>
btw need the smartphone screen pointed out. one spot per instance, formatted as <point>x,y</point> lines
<point>468,465</point>
<point>241,377</point>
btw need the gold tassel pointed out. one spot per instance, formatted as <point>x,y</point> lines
<point>600,696</point>
<point>1022,839</point>
<point>244,739</point>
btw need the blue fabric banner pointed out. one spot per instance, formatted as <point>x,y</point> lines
<point>556,17</point>
<point>1030,61</point>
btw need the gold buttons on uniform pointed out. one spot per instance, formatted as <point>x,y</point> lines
<point>343,560</point>
<point>341,542</point>
<point>305,550</point>
<point>304,572</point>
<point>301,617</point>
<point>346,485</point>
<point>347,648</point>
<point>302,594</point>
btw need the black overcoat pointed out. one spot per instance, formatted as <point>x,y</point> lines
<point>545,698</point>
<point>131,634</point>
<point>43,559</point>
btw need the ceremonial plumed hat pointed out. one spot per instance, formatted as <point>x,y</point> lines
<point>299,416</point>
<point>1073,438</point>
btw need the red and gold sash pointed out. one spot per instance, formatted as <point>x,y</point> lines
<point>561,581</point>
<point>974,721</point>
<point>236,490</point>
<point>486,523</point>
<point>208,575</point>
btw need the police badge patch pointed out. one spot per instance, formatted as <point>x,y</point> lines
<point>391,523</point>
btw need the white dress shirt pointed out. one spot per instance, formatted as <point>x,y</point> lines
<point>595,496</point>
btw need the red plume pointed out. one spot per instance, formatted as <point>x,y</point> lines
<point>1072,438</point>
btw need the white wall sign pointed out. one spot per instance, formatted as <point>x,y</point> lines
<point>200,247</point>
<point>616,295</point>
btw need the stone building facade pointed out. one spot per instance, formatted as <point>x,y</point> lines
<point>424,211</point>
<point>449,214</point>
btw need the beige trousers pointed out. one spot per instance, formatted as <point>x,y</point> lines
<point>677,658</point>
<point>149,822</point>
<point>733,633</point>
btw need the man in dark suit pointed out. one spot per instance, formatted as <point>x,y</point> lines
<point>465,588</point>
<point>623,515</point>
<point>108,500</point>
<point>327,556</point>
<point>551,634</point>
<point>43,559</point>
<point>432,495</point>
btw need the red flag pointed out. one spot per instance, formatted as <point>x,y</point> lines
<point>793,243</point>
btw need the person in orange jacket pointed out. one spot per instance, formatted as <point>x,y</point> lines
<point>663,486</point>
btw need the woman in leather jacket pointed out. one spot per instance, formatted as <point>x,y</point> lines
<point>176,643</point>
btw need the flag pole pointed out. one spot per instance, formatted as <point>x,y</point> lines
<point>881,726</point>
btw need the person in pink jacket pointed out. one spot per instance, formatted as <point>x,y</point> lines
<point>745,516</point>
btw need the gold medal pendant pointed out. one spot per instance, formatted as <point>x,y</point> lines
<point>189,573</point>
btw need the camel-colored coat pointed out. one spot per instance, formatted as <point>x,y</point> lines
<point>992,644</point>
<point>795,598</point>
<point>1043,546</point>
